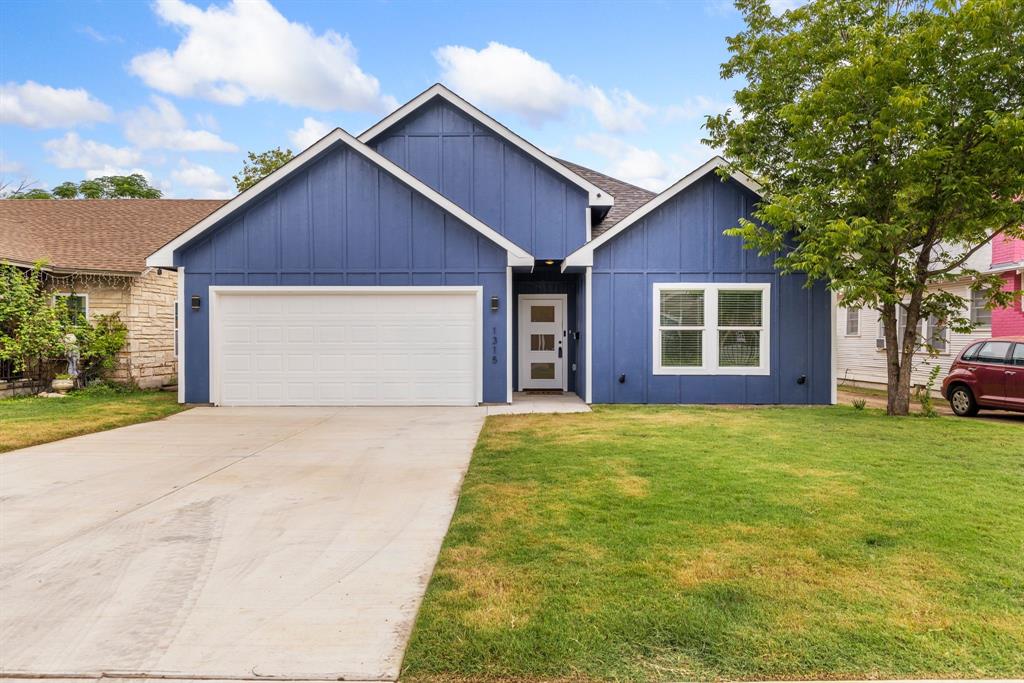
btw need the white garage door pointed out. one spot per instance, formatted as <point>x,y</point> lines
<point>345,346</point>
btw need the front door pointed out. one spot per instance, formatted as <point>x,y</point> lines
<point>542,341</point>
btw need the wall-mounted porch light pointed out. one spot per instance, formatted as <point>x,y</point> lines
<point>195,302</point>
<point>495,303</point>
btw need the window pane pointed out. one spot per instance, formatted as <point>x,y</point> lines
<point>1018,354</point>
<point>979,314</point>
<point>76,306</point>
<point>682,307</point>
<point>739,348</point>
<point>542,314</point>
<point>972,353</point>
<point>542,342</point>
<point>993,352</point>
<point>542,370</point>
<point>739,308</point>
<point>852,321</point>
<point>939,334</point>
<point>681,348</point>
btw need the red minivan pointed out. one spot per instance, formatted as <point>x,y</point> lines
<point>987,374</point>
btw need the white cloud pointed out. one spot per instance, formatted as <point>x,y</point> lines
<point>249,50</point>
<point>311,131</point>
<point>781,6</point>
<point>202,181</point>
<point>164,127</point>
<point>71,151</point>
<point>513,80</point>
<point>42,106</point>
<point>91,173</point>
<point>697,108</point>
<point>620,112</point>
<point>644,167</point>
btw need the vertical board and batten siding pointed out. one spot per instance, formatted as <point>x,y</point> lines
<point>342,221</point>
<point>682,241</point>
<point>488,177</point>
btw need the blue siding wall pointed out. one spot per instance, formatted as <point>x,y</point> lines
<point>342,221</point>
<point>683,242</point>
<point>490,178</point>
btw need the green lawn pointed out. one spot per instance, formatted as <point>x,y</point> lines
<point>671,543</point>
<point>29,420</point>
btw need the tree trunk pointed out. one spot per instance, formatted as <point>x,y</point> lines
<point>900,357</point>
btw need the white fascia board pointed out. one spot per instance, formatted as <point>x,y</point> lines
<point>164,257</point>
<point>584,256</point>
<point>596,196</point>
<point>1006,267</point>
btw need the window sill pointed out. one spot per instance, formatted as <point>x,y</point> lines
<point>708,372</point>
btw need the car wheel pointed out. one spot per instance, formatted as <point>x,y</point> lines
<point>961,400</point>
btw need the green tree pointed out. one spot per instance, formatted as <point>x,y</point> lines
<point>889,138</point>
<point>32,327</point>
<point>258,166</point>
<point>134,186</point>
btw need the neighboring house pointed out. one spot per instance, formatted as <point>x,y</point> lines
<point>94,252</point>
<point>442,259</point>
<point>861,342</point>
<point>1008,259</point>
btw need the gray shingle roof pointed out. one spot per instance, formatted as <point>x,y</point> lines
<point>628,198</point>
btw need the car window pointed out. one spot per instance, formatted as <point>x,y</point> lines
<point>993,352</point>
<point>1018,355</point>
<point>971,353</point>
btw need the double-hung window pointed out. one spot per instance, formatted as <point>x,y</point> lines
<point>711,329</point>
<point>77,304</point>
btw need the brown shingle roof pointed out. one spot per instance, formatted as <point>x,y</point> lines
<point>94,234</point>
<point>628,198</point>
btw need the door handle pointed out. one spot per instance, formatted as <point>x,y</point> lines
<point>1010,372</point>
<point>559,350</point>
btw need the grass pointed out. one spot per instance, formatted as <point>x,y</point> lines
<point>644,543</point>
<point>29,420</point>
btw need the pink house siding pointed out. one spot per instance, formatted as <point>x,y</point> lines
<point>1010,320</point>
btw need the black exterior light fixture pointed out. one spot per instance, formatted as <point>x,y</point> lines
<point>195,302</point>
<point>495,304</point>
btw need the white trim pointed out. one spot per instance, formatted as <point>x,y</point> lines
<point>164,257</point>
<point>584,256</point>
<point>1007,268</point>
<point>710,329</point>
<point>589,345</point>
<point>81,295</point>
<point>509,303</point>
<point>564,341</point>
<point>217,291</point>
<point>834,346</point>
<point>181,334</point>
<point>597,196</point>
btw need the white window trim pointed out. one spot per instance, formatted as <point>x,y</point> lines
<point>709,340</point>
<point>53,300</point>
<point>847,321</point>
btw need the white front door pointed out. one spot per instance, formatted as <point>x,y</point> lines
<point>542,341</point>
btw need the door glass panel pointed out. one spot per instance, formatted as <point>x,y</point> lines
<point>542,314</point>
<point>1018,355</point>
<point>993,352</point>
<point>542,342</point>
<point>542,370</point>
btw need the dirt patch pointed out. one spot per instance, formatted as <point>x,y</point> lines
<point>497,594</point>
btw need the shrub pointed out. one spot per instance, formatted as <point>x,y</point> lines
<point>99,343</point>
<point>859,403</point>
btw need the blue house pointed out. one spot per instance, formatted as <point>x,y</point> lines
<point>441,259</point>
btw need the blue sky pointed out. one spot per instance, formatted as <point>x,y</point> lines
<point>181,90</point>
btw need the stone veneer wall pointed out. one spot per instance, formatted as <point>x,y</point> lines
<point>150,321</point>
<point>145,304</point>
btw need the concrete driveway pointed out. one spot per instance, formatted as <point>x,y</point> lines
<point>228,542</point>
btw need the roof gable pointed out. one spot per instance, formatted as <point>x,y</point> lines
<point>165,255</point>
<point>584,256</point>
<point>597,197</point>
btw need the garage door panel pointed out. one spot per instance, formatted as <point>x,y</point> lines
<point>344,348</point>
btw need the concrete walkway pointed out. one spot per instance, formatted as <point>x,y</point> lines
<point>228,542</point>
